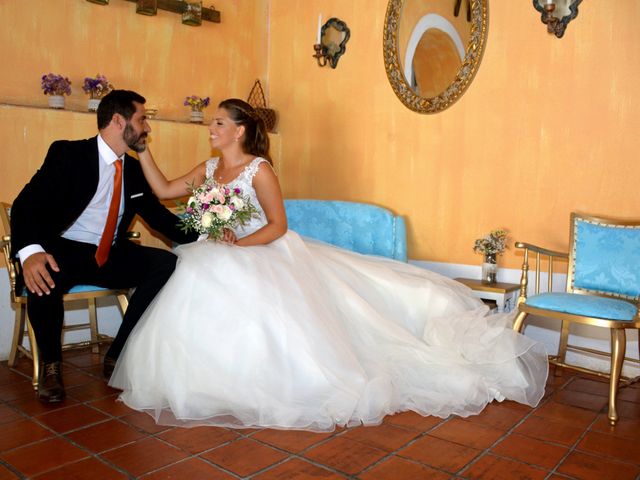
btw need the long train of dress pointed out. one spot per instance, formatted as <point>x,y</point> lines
<point>301,334</point>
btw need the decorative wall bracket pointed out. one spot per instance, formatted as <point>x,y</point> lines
<point>556,14</point>
<point>333,37</point>
<point>178,6</point>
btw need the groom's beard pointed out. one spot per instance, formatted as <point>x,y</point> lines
<point>137,143</point>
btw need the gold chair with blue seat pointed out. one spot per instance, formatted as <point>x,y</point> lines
<point>602,290</point>
<point>22,327</point>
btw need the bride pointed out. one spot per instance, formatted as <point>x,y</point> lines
<point>268,329</point>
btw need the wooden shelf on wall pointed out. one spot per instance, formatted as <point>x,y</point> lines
<point>177,6</point>
<point>72,110</point>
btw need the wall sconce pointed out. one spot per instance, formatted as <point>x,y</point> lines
<point>331,41</point>
<point>557,14</point>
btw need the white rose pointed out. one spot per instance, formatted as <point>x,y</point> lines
<point>225,213</point>
<point>238,203</point>
<point>207,219</point>
<point>191,200</point>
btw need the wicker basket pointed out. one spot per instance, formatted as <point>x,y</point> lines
<point>257,101</point>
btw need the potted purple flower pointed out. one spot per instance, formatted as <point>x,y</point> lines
<point>56,86</point>
<point>97,88</point>
<point>197,104</point>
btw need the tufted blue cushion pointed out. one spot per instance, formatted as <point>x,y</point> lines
<point>607,258</point>
<point>587,305</point>
<point>359,227</point>
<point>76,289</point>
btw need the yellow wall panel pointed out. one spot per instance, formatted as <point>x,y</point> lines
<point>157,56</point>
<point>546,127</point>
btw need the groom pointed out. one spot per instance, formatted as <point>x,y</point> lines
<point>69,224</point>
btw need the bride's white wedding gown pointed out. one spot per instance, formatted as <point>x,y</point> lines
<point>300,334</point>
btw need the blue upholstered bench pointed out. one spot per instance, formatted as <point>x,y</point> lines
<point>359,227</point>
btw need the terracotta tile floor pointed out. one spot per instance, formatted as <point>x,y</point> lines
<point>91,436</point>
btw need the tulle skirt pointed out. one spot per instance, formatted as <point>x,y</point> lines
<point>300,334</point>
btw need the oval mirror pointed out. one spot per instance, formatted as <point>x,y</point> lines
<point>432,49</point>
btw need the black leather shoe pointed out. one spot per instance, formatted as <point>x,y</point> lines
<point>50,387</point>
<point>109,365</point>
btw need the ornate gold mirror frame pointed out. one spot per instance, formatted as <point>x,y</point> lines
<point>466,72</point>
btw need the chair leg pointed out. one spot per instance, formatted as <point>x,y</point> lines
<point>18,333</point>
<point>562,347</point>
<point>35,355</point>
<point>618,347</point>
<point>123,300</point>
<point>518,323</point>
<point>93,325</point>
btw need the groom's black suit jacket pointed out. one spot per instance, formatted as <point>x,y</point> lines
<point>63,187</point>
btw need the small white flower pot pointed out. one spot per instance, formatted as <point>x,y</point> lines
<point>92,104</point>
<point>196,117</point>
<point>56,101</point>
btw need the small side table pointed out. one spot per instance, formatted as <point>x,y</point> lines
<point>504,294</point>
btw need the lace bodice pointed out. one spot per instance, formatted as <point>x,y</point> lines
<point>244,181</point>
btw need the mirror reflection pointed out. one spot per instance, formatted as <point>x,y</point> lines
<point>561,8</point>
<point>432,36</point>
<point>331,39</point>
<point>432,49</point>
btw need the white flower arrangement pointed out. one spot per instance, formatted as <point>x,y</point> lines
<point>493,243</point>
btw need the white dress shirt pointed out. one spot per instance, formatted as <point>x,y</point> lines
<point>89,225</point>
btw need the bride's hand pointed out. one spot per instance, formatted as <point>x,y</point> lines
<point>229,237</point>
<point>145,155</point>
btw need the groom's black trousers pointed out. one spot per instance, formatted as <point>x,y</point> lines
<point>129,265</point>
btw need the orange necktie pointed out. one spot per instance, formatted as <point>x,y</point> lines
<point>102,253</point>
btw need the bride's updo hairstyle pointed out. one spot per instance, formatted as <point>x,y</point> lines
<point>256,140</point>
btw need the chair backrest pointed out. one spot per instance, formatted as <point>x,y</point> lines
<point>604,256</point>
<point>11,263</point>
<point>359,227</point>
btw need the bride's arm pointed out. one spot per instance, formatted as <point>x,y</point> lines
<point>269,195</point>
<point>164,188</point>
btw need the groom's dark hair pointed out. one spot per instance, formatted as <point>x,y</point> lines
<point>117,101</point>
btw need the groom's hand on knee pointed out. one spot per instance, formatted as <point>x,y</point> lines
<point>35,274</point>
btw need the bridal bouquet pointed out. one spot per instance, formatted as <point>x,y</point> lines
<point>212,208</point>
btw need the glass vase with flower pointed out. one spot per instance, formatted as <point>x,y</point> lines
<point>56,87</point>
<point>490,246</point>
<point>97,88</point>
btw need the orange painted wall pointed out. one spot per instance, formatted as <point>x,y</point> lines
<point>156,56</point>
<point>548,126</point>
